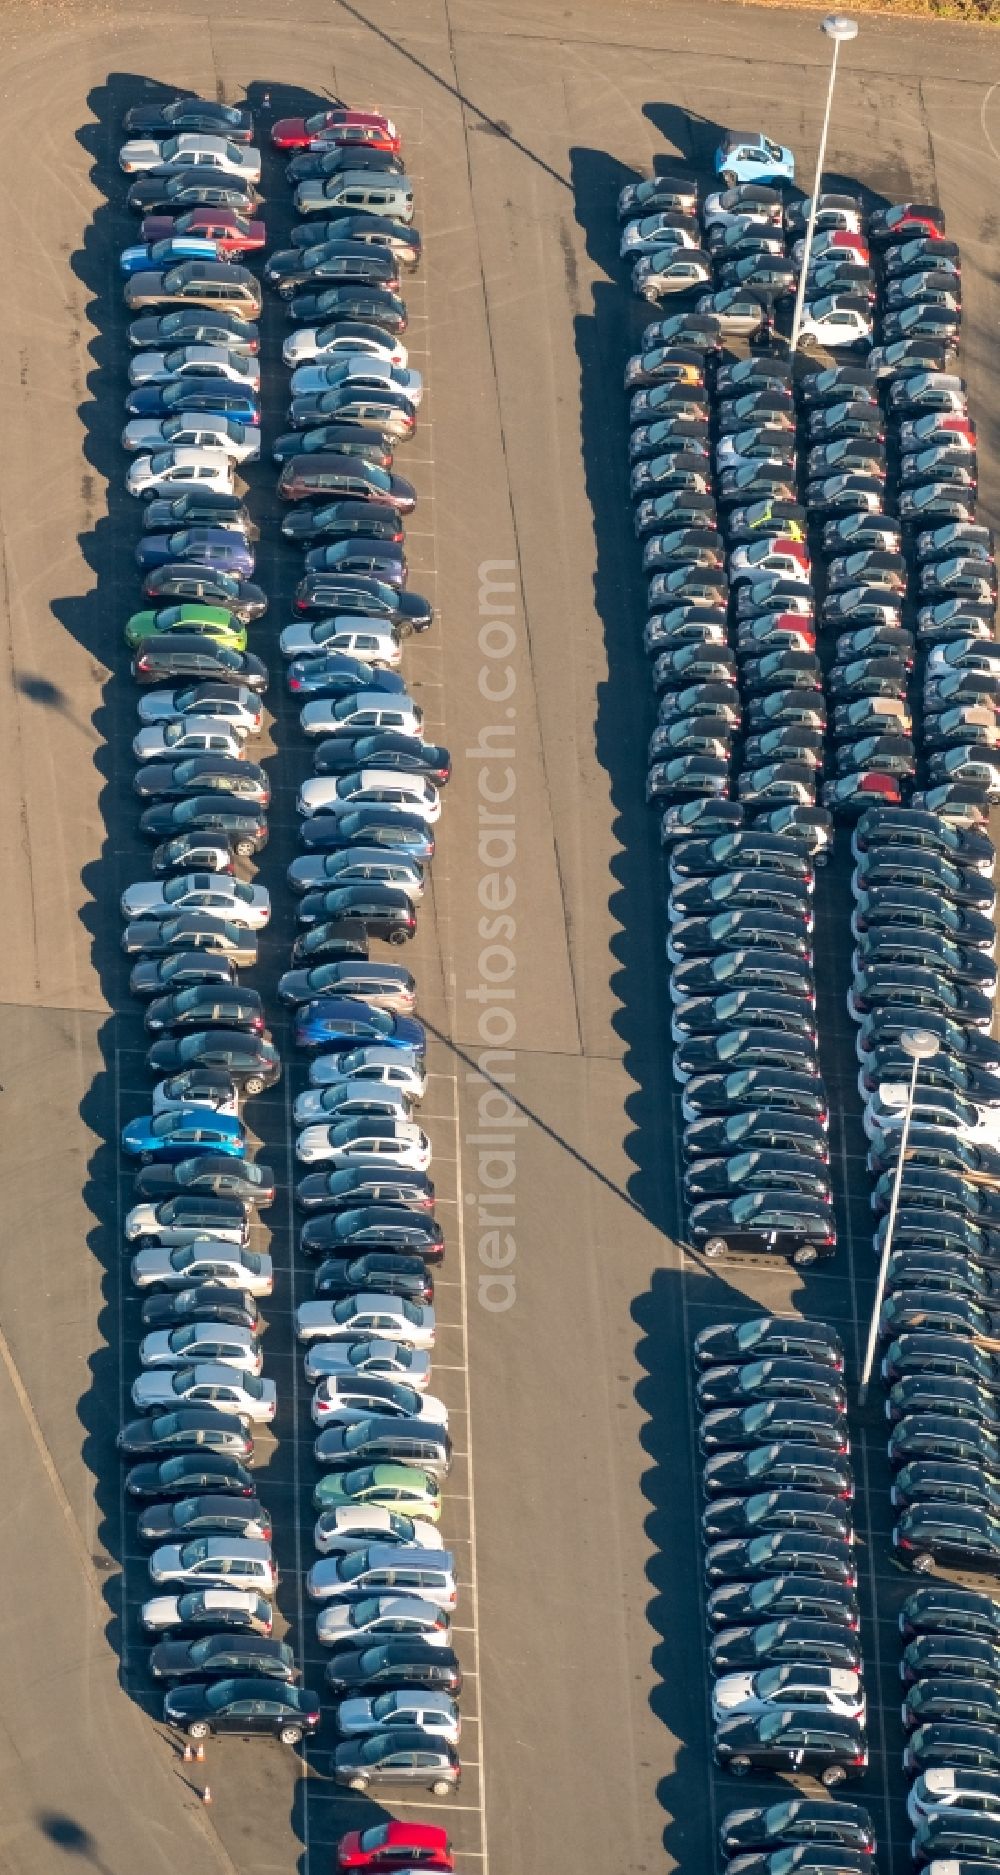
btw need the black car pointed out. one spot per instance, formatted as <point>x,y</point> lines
<point>225,1177</point>
<point>207,1006</point>
<point>778,930</point>
<point>358,593</point>
<point>796,1820</point>
<point>189,582</point>
<point>371,305</point>
<point>741,1428</point>
<point>925,949</point>
<point>190,1472</point>
<point>198,1609</point>
<point>949,1190</point>
<point>243,824</point>
<point>252,1061</point>
<point>766,1336</point>
<point>180,970</point>
<point>759,1128</point>
<point>942,1436</point>
<point>341,754</point>
<point>747,1007</point>
<point>229,1655</point>
<point>206,1302</point>
<point>393,1666</point>
<point>196,325</point>
<point>750,971</point>
<point>823,1514</point>
<point>341,439</point>
<point>948,1355</point>
<point>829,1748</point>
<point>248,1708</point>
<point>790,1594</point>
<point>364,1185</point>
<point>784,1462</point>
<point>189,1429</point>
<point>779,1378</point>
<point>960,1394</point>
<point>189,114</point>
<point>952,1536</point>
<point>969,1841</point>
<point>380,1439</point>
<point>176,1520</point>
<point>746,1047</point>
<point>933,1700</point>
<point>709,1094</point>
<point>757,1170</point>
<point>374,1227</point>
<point>168,656</point>
<point>178,189</point>
<point>336,675</point>
<point>331,263</point>
<point>812,1858</point>
<point>945,1656</point>
<point>771,1643</point>
<point>804,1554</point>
<point>914,1309</point>
<point>386,911</point>
<point>954,1744</point>
<point>383,1272</point>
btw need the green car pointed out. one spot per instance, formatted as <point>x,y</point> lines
<point>212,621</point>
<point>399,1487</point>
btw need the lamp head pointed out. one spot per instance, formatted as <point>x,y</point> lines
<point>839,27</point>
<point>919,1044</point>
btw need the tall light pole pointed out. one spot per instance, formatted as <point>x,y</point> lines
<point>840,28</point>
<point>920,1046</point>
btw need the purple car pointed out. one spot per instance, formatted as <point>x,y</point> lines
<point>217,547</point>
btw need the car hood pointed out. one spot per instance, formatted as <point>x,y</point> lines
<point>733,1691</point>
<point>185,1701</point>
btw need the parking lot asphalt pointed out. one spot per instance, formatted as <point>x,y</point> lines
<point>552,1105</point>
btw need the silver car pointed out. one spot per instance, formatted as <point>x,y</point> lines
<point>434,1713</point>
<point>388,1067</point>
<point>383,1617</point>
<point>385,1569</point>
<point>357,865</point>
<point>364,1317</point>
<point>348,1100</point>
<point>227,1345</point>
<point>237,1562</point>
<point>383,1359</point>
<point>340,1532</point>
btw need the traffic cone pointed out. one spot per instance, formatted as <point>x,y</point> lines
<point>199,1753</point>
<point>206,1795</point>
<point>188,1754</point>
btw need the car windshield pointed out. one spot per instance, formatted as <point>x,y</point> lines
<point>746,1207</point>
<point>760,1459</point>
<point>352,1566</point>
<point>748,1335</point>
<point>772,1725</point>
<point>768,1683</point>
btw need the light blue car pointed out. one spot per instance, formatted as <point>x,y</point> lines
<point>183,1133</point>
<point>749,156</point>
<point>167,253</point>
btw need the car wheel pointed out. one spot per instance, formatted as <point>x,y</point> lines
<point>922,1563</point>
<point>358,1783</point>
<point>290,1734</point>
<point>254,1085</point>
<point>650,294</point>
<point>715,1247</point>
<point>245,849</point>
<point>198,1729</point>
<point>440,1787</point>
<point>145,1158</point>
<point>398,937</point>
<point>832,1776</point>
<point>805,1255</point>
<point>739,1766</point>
<point>727,177</point>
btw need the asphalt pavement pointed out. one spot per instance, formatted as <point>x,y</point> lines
<point>564,1355</point>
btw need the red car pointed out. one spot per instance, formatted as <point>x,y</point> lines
<point>233,233</point>
<point>907,221</point>
<point>338,126</point>
<point>388,1846</point>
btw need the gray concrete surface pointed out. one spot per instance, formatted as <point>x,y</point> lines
<point>578,1488</point>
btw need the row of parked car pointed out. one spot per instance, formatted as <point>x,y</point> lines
<point>191,928</point>
<point>383,1584</point>
<point>780,1562</point>
<point>734,766</point>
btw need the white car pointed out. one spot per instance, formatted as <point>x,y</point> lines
<point>772,555</point>
<point>884,1111</point>
<point>219,1343</point>
<point>364,1317</point>
<point>191,150</point>
<point>198,430</point>
<point>163,1612</point>
<point>387,1067</point>
<point>953,1793</point>
<point>383,1617</point>
<point>240,1562</point>
<point>361,714</point>
<point>434,1713</point>
<point>383,1571</point>
<point>836,1690</point>
<point>724,207</point>
<point>361,374</point>
<point>169,1096</point>
<point>235,705</point>
<point>328,1408</point>
<point>339,1532</point>
<point>370,787</point>
<point>386,1360</point>
<point>337,341</point>
<point>407,1146</point>
<point>155,1220</point>
<point>357,865</point>
<point>207,363</point>
<point>171,471</point>
<point>208,1384</point>
<point>189,735</point>
<point>203,1260</point>
<point>351,1100</point>
<point>649,234</point>
<point>835,321</point>
<point>246,906</point>
<point>371,639</point>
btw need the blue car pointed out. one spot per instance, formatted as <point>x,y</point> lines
<point>167,253</point>
<point>749,156</point>
<point>186,397</point>
<point>347,1022</point>
<point>216,547</point>
<point>337,675</point>
<point>184,1133</point>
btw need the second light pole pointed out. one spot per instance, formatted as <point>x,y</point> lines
<point>920,1045</point>
<point>840,28</point>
